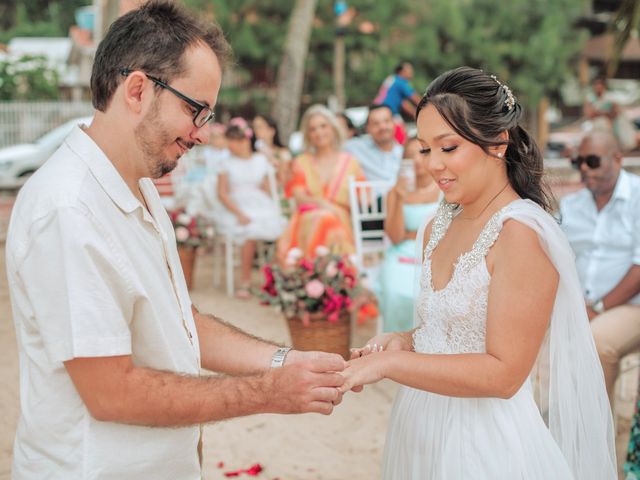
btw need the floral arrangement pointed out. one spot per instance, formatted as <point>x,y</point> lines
<point>190,230</point>
<point>328,284</point>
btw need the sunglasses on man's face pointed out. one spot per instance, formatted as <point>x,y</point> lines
<point>592,161</point>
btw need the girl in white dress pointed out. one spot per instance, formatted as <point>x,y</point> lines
<point>250,213</point>
<point>501,377</point>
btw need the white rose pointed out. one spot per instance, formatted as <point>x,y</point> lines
<point>184,219</point>
<point>182,234</point>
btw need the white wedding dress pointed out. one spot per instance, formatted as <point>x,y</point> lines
<point>438,437</point>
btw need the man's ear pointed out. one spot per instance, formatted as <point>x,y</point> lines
<point>133,91</point>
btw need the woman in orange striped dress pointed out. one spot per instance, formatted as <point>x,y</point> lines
<point>320,187</point>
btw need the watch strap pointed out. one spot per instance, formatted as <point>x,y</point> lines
<point>277,360</point>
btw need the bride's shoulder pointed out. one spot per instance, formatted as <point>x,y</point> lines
<point>522,225</point>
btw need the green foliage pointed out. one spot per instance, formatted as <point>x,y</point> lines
<point>528,44</point>
<point>39,18</point>
<point>28,78</point>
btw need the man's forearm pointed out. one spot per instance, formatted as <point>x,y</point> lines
<point>625,290</point>
<point>164,399</point>
<point>227,349</point>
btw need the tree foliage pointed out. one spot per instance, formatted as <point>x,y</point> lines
<point>28,78</point>
<point>37,18</point>
<point>529,45</point>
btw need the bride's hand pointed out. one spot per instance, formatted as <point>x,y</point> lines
<point>391,341</point>
<point>362,371</point>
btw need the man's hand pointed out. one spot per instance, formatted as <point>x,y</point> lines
<point>308,382</point>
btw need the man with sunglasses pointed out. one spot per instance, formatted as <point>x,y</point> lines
<point>602,223</point>
<point>110,344</point>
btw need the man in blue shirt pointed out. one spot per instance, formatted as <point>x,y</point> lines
<point>377,152</point>
<point>397,93</point>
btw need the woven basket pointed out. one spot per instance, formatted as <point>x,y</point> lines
<point>187,255</point>
<point>321,334</point>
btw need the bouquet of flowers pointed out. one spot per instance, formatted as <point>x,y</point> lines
<point>190,230</point>
<point>328,284</point>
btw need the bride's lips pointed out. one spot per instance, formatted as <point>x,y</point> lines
<point>445,183</point>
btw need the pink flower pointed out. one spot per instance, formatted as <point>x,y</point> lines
<point>182,234</point>
<point>314,288</point>
<point>322,251</point>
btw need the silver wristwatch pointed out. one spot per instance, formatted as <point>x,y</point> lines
<point>598,306</point>
<point>278,358</point>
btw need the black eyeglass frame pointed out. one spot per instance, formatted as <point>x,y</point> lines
<point>592,161</point>
<point>199,107</point>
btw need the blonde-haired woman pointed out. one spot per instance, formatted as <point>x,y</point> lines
<point>320,186</point>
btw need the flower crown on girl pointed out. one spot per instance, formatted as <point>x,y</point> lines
<point>242,124</point>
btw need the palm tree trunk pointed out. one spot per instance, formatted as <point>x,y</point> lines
<point>291,71</point>
<point>626,20</point>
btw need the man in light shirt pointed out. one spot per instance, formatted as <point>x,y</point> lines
<point>377,152</point>
<point>602,223</point>
<point>110,344</point>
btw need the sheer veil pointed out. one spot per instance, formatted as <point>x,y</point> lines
<point>567,377</point>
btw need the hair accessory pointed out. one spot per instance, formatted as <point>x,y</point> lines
<point>243,125</point>
<point>510,101</point>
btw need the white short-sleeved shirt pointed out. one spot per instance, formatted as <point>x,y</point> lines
<point>92,274</point>
<point>606,243</point>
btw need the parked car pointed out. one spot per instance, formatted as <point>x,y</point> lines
<point>18,162</point>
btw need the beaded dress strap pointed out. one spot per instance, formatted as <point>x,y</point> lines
<point>439,227</point>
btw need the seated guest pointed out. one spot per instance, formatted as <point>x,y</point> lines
<point>250,212</point>
<point>268,143</point>
<point>602,223</point>
<point>377,152</point>
<point>320,186</point>
<point>407,210</point>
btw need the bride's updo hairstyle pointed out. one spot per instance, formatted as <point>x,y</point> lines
<point>480,108</point>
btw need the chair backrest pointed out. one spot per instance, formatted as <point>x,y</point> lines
<point>367,200</point>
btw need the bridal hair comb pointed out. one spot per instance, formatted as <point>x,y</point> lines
<point>510,101</point>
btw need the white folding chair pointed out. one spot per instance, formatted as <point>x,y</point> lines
<point>367,201</point>
<point>225,241</point>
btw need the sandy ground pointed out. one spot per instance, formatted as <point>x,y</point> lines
<point>346,445</point>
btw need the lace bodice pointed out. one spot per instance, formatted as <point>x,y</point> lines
<point>453,319</point>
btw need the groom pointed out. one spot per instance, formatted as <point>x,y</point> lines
<point>110,344</point>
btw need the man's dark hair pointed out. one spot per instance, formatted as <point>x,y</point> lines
<point>373,108</point>
<point>152,38</point>
<point>400,67</point>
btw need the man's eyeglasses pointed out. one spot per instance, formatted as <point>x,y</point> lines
<point>592,161</point>
<point>202,113</point>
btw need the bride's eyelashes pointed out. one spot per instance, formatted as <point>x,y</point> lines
<point>426,151</point>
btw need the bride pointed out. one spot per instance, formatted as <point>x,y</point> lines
<point>501,377</point>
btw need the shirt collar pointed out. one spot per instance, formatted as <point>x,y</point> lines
<point>622,189</point>
<point>102,169</point>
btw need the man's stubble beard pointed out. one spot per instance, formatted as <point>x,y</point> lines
<point>152,138</point>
